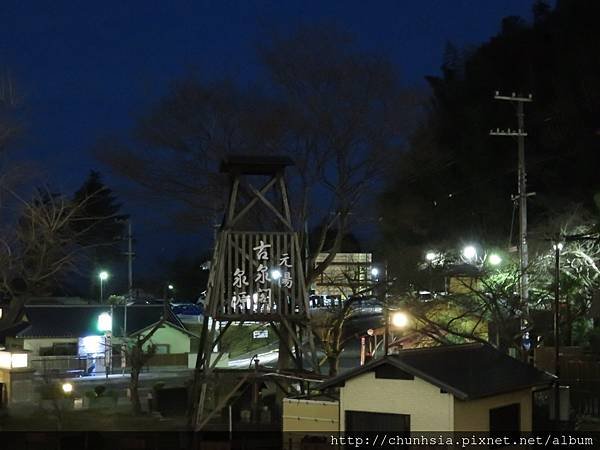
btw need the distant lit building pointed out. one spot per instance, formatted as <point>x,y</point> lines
<point>347,274</point>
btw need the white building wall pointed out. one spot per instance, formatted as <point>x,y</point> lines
<point>429,409</point>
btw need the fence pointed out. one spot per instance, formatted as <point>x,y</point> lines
<point>580,371</point>
<point>584,378</point>
<point>65,365</point>
<point>58,364</point>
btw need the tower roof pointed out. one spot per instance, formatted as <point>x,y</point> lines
<point>255,165</point>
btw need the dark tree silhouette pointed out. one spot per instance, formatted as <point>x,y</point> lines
<point>99,225</point>
<point>455,181</point>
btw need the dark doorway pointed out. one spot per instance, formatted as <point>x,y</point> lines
<point>505,418</point>
<point>369,421</point>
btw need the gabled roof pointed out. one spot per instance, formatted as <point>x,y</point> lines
<point>72,321</point>
<point>168,323</point>
<point>467,371</point>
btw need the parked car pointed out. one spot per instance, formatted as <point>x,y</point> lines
<point>365,306</point>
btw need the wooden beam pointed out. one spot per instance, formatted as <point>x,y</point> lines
<point>280,336</point>
<point>252,202</point>
<point>269,205</point>
<point>222,403</point>
<point>284,198</point>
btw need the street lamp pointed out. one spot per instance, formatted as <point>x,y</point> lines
<point>103,275</point>
<point>374,272</point>
<point>168,289</point>
<point>495,259</point>
<point>399,319</point>
<point>469,253</point>
<point>105,322</point>
<point>430,256</point>
<point>557,249</point>
<point>105,326</point>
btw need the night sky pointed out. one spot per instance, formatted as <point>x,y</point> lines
<point>87,68</point>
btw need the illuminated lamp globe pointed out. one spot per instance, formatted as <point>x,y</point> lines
<point>104,322</point>
<point>399,320</point>
<point>495,259</point>
<point>275,274</point>
<point>469,252</point>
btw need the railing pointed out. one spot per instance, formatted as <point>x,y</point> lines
<point>57,364</point>
<point>74,365</point>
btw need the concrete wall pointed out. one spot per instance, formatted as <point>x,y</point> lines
<point>474,415</point>
<point>18,385</point>
<point>430,410</point>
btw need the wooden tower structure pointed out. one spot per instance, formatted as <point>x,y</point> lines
<point>257,272</point>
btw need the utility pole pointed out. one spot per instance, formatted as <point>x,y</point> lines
<point>557,248</point>
<point>520,134</point>
<point>130,254</point>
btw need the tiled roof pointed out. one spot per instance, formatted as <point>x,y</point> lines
<point>82,320</point>
<point>467,371</point>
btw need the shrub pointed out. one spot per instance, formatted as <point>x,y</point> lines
<point>99,390</point>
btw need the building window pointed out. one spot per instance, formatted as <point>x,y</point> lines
<point>369,421</point>
<point>163,349</point>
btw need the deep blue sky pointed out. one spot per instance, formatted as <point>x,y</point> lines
<point>86,68</point>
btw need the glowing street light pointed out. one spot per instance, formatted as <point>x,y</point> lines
<point>375,272</point>
<point>171,287</point>
<point>103,276</point>
<point>495,259</point>
<point>430,256</point>
<point>399,320</point>
<point>469,252</point>
<point>104,322</point>
<point>105,326</point>
<point>275,274</point>
<point>67,388</point>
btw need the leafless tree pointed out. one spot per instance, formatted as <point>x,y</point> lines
<point>139,351</point>
<point>39,247</point>
<point>9,102</point>
<point>328,326</point>
<point>336,111</point>
<point>492,296</point>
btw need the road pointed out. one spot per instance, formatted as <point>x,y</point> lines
<point>349,359</point>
